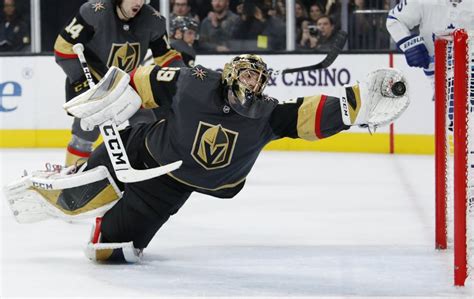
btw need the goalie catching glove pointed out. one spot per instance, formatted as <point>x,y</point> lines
<point>111,99</point>
<point>377,101</point>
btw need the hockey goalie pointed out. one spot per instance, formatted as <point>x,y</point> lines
<point>217,124</point>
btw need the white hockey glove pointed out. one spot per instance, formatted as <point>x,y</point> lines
<point>111,99</point>
<point>377,101</point>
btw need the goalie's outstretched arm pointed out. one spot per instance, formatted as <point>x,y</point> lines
<point>376,101</point>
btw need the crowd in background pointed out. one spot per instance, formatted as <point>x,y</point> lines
<point>224,25</point>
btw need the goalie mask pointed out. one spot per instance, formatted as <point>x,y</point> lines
<point>245,78</point>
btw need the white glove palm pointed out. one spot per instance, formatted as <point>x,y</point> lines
<point>372,102</point>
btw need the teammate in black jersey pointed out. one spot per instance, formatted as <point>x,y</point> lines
<point>114,33</point>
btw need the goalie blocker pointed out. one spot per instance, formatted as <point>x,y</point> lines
<point>219,124</point>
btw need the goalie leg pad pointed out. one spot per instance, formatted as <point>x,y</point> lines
<point>59,195</point>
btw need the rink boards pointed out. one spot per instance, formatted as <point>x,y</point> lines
<point>32,94</point>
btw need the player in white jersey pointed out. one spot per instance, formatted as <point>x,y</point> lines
<point>430,16</point>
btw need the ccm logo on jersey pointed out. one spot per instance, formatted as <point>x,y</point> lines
<point>8,90</point>
<point>114,145</point>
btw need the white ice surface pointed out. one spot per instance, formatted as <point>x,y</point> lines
<point>306,224</point>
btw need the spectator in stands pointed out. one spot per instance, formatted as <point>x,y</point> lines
<point>216,29</point>
<point>281,9</point>
<point>332,8</point>
<point>182,8</point>
<point>325,33</point>
<point>256,30</point>
<point>301,14</point>
<point>309,36</point>
<point>14,31</point>
<point>316,11</point>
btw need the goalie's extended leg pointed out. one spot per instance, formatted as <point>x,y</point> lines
<point>128,227</point>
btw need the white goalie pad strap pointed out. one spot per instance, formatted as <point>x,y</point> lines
<point>101,251</point>
<point>111,99</point>
<point>60,181</point>
<point>379,105</point>
<point>30,206</point>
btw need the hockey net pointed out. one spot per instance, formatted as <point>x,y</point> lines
<point>454,134</point>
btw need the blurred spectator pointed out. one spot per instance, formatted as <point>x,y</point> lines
<point>182,8</point>
<point>331,8</point>
<point>301,14</point>
<point>281,9</point>
<point>309,36</point>
<point>325,33</point>
<point>316,11</point>
<point>217,27</point>
<point>256,30</point>
<point>14,31</point>
<point>183,32</point>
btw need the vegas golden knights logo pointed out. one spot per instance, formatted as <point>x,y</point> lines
<point>213,146</point>
<point>124,56</point>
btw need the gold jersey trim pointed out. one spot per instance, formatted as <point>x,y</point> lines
<point>105,196</point>
<point>142,83</point>
<point>63,46</point>
<point>166,58</point>
<point>307,118</point>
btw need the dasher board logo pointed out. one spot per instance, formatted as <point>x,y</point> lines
<point>213,146</point>
<point>124,56</point>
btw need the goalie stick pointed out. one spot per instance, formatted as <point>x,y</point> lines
<point>115,149</point>
<point>336,48</point>
<point>338,44</point>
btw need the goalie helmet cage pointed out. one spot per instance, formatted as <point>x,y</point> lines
<point>454,149</point>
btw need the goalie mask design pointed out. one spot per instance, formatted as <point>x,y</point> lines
<point>245,78</point>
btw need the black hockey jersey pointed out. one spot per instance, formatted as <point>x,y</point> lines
<point>218,146</point>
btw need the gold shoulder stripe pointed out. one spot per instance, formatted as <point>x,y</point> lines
<point>63,46</point>
<point>141,79</point>
<point>307,118</point>
<point>167,58</point>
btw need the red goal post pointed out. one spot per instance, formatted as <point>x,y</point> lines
<point>454,150</point>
